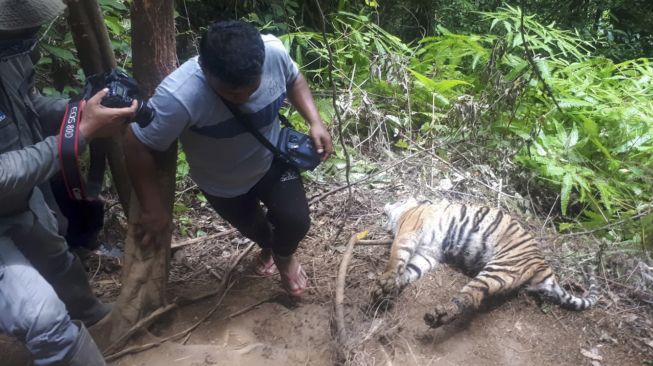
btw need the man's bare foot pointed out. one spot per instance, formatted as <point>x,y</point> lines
<point>265,266</point>
<point>293,277</point>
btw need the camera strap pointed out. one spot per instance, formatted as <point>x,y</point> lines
<point>69,151</point>
<point>240,117</point>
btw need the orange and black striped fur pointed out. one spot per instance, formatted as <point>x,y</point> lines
<point>483,242</point>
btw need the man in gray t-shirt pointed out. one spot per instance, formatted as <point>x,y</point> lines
<point>255,74</point>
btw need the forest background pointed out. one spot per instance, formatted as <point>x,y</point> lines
<point>555,97</point>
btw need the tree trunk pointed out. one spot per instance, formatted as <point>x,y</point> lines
<point>96,55</point>
<point>145,270</point>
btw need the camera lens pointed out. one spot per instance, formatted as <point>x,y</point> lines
<point>144,114</point>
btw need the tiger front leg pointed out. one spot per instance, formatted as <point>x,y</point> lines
<point>389,284</point>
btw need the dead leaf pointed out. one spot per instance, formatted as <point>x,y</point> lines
<point>647,341</point>
<point>591,355</point>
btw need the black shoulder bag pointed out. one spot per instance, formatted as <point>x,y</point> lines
<point>293,147</point>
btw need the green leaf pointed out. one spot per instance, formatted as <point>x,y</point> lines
<point>402,144</point>
<point>60,53</point>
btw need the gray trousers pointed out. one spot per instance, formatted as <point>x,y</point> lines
<point>30,310</point>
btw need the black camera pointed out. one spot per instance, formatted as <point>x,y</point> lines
<point>123,89</point>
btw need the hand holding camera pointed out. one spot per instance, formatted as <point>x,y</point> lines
<point>111,99</point>
<point>101,121</point>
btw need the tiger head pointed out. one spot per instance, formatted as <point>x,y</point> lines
<point>393,211</point>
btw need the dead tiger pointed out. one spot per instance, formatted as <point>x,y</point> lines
<point>483,242</point>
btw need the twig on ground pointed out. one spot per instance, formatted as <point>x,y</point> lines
<point>248,308</point>
<point>140,325</point>
<point>548,216</point>
<point>201,239</point>
<point>225,278</point>
<point>616,223</point>
<point>499,193</point>
<point>341,331</point>
<point>184,333</point>
<point>362,180</point>
<point>223,289</point>
<point>452,167</point>
<point>375,242</point>
<point>99,264</point>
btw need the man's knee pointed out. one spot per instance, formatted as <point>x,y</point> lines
<point>51,335</point>
<point>294,226</point>
<point>41,320</point>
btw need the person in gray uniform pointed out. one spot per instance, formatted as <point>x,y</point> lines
<point>254,73</point>
<point>42,284</point>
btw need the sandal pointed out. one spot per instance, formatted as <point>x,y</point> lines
<point>295,284</point>
<point>265,267</point>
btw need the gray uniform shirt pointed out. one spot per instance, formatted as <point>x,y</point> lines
<point>27,158</point>
<point>225,160</point>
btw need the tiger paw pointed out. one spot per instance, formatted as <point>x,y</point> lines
<point>440,317</point>
<point>387,285</point>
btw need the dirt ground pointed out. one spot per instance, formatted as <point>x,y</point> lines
<point>280,331</point>
<point>257,324</point>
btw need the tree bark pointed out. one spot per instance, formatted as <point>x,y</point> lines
<point>96,55</point>
<point>145,270</point>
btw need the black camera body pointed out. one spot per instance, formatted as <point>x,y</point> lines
<point>123,90</point>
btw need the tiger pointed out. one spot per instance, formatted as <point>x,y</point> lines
<point>484,243</point>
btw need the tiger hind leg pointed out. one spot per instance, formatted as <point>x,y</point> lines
<point>486,284</point>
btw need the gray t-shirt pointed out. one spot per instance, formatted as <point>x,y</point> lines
<point>225,159</point>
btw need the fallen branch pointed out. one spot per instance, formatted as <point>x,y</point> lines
<point>201,239</point>
<point>223,289</point>
<point>224,281</point>
<point>140,325</point>
<point>341,331</point>
<point>144,347</point>
<point>362,180</point>
<point>375,242</point>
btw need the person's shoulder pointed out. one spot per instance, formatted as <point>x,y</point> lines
<point>273,44</point>
<point>186,75</point>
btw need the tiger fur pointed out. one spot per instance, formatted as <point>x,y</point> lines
<point>483,242</point>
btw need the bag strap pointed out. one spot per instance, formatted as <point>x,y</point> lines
<point>240,117</point>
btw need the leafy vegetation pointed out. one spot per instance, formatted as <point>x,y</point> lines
<point>580,123</point>
<point>562,97</point>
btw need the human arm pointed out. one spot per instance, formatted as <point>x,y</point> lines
<point>142,145</point>
<point>300,97</point>
<point>22,170</point>
<point>142,168</point>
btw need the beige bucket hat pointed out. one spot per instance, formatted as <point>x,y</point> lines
<point>24,14</point>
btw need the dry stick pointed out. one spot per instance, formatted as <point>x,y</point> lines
<point>641,214</point>
<point>452,167</point>
<point>334,96</point>
<point>144,347</point>
<point>201,239</point>
<point>225,279</point>
<point>374,242</point>
<point>341,331</point>
<point>529,56</point>
<point>237,313</point>
<point>140,325</point>
<point>224,288</point>
<point>341,137</point>
<point>362,180</point>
